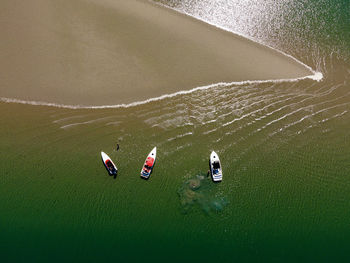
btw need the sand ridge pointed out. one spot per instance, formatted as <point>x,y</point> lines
<point>90,52</point>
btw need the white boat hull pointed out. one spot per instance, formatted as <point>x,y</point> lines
<point>147,170</point>
<point>108,163</point>
<point>215,167</point>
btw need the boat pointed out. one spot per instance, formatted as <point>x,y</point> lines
<point>149,164</point>
<point>215,167</point>
<point>108,163</point>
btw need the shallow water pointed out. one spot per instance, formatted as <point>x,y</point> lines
<point>200,191</point>
<point>284,149</point>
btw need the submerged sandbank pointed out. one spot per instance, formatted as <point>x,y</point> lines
<point>108,52</point>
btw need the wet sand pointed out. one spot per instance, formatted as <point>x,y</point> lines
<point>108,52</point>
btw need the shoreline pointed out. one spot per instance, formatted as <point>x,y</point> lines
<point>238,34</point>
<point>317,77</point>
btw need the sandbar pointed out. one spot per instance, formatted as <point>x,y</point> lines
<point>108,52</point>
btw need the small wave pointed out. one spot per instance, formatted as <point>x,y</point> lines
<point>162,97</point>
<point>179,136</point>
<point>333,117</point>
<point>256,111</point>
<point>338,115</point>
<point>69,118</point>
<point>311,115</point>
<point>301,109</point>
<point>114,123</point>
<point>84,123</point>
<point>210,131</point>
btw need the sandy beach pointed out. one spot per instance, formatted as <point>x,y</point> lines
<point>108,52</point>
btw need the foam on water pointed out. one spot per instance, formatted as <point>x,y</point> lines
<point>317,76</point>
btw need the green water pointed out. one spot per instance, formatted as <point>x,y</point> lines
<point>284,147</point>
